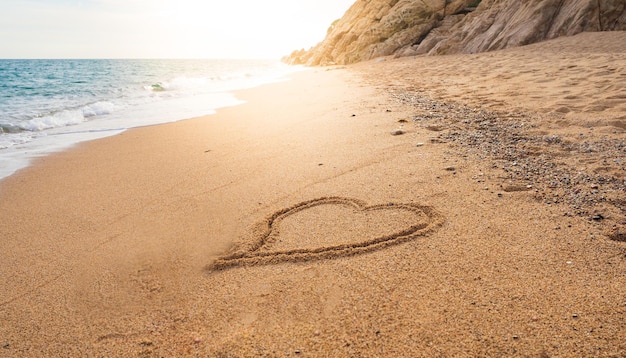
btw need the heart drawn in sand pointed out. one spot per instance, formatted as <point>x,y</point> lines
<point>327,228</point>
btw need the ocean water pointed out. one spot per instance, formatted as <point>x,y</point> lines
<point>50,105</point>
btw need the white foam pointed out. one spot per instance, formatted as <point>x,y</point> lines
<point>186,83</point>
<point>59,119</point>
<point>98,109</point>
<point>8,141</point>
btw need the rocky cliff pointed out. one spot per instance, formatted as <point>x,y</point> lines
<point>374,28</point>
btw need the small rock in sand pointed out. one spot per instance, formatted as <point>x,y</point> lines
<point>398,132</point>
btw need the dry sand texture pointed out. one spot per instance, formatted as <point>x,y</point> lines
<point>551,115</point>
<point>238,234</point>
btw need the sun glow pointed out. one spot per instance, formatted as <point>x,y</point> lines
<point>164,28</point>
<point>242,28</point>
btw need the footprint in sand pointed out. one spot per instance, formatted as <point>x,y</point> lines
<point>330,227</point>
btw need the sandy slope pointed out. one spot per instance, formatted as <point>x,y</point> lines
<point>297,225</point>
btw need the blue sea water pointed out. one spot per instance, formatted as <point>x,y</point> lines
<point>50,105</point>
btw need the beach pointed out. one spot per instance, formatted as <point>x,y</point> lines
<point>461,205</point>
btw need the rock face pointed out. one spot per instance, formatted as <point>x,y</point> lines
<point>374,28</point>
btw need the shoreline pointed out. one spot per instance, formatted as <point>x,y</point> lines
<point>45,147</point>
<point>112,246</point>
<point>187,93</point>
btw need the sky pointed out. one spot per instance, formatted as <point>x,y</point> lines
<point>163,28</point>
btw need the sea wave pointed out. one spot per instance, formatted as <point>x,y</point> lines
<point>66,117</point>
<point>59,119</point>
<point>98,109</point>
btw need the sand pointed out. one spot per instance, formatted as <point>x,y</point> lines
<point>491,223</point>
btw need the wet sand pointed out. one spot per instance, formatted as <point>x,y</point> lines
<point>434,206</point>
